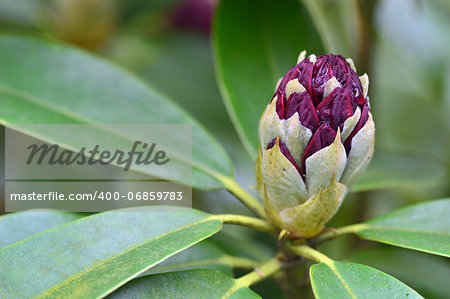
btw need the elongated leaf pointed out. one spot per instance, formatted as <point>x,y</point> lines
<point>348,280</point>
<point>184,284</point>
<point>18,226</point>
<point>427,273</point>
<point>424,227</point>
<point>172,57</point>
<point>240,241</point>
<point>338,23</point>
<point>411,86</point>
<point>255,43</point>
<point>389,170</point>
<point>42,82</point>
<point>95,255</point>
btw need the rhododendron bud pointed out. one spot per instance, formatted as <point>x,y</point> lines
<point>316,139</point>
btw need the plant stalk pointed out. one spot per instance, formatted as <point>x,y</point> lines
<point>311,254</point>
<point>247,221</point>
<point>333,233</point>
<point>264,271</point>
<point>246,198</point>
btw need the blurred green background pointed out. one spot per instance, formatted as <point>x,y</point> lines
<point>403,45</point>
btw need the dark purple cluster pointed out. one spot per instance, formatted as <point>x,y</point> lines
<point>195,15</point>
<point>322,116</point>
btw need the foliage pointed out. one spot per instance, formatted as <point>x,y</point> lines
<point>145,69</point>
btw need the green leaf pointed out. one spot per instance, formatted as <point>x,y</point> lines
<point>348,280</point>
<point>255,43</point>
<point>95,255</point>
<point>412,84</point>
<point>240,241</point>
<point>18,226</point>
<point>203,255</point>
<point>424,227</point>
<point>170,57</point>
<point>338,23</point>
<point>184,284</point>
<point>58,84</point>
<point>390,170</point>
<point>427,273</point>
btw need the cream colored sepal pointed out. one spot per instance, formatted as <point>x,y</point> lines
<point>271,211</point>
<point>301,56</point>
<point>350,124</point>
<point>270,126</point>
<point>360,154</point>
<point>293,86</point>
<point>365,84</point>
<point>324,165</point>
<point>329,86</point>
<point>296,137</point>
<point>283,183</point>
<point>352,64</point>
<point>309,219</point>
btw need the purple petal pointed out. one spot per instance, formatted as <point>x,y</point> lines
<point>280,107</point>
<point>280,92</point>
<point>336,108</point>
<point>302,103</point>
<point>356,90</point>
<point>305,68</point>
<point>362,121</point>
<point>331,65</point>
<point>323,137</point>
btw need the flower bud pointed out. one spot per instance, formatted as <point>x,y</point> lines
<point>316,139</point>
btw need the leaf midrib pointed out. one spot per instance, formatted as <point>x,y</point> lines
<point>331,264</point>
<point>130,249</point>
<point>35,100</point>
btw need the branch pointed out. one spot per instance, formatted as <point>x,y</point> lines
<point>337,232</point>
<point>261,273</point>
<point>246,198</point>
<point>311,254</point>
<point>250,222</point>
